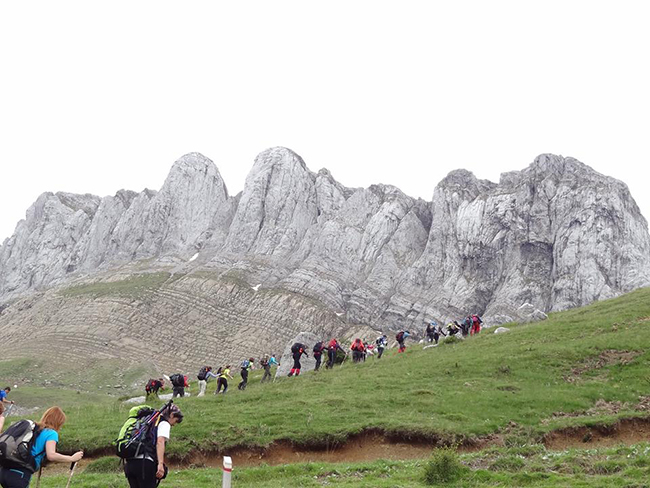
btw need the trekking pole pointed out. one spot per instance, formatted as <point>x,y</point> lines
<point>72,466</point>
<point>227,472</point>
<point>9,409</point>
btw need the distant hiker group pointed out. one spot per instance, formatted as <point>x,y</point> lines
<point>360,349</point>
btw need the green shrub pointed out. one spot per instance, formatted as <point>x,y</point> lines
<point>443,467</point>
<point>107,464</point>
<point>452,340</point>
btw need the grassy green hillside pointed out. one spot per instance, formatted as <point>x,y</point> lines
<point>536,378</point>
<point>582,367</point>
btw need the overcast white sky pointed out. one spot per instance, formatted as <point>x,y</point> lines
<point>95,97</point>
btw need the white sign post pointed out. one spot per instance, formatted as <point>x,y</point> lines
<point>227,472</point>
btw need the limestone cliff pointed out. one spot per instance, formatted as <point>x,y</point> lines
<point>297,251</point>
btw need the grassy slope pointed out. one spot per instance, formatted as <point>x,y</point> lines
<point>514,467</point>
<point>453,391</point>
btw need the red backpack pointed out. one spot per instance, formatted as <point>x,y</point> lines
<point>332,345</point>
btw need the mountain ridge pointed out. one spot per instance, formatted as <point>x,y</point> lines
<point>556,234</point>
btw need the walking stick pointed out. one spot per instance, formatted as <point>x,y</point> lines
<point>9,409</point>
<point>72,466</point>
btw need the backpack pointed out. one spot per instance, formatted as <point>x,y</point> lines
<point>357,346</point>
<point>264,362</point>
<point>245,364</point>
<point>16,445</point>
<point>400,336</point>
<point>297,347</point>
<point>332,345</point>
<point>203,373</point>
<point>138,434</point>
<point>318,347</point>
<point>177,380</point>
<point>150,386</point>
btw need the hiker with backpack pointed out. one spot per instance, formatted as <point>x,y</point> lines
<point>431,331</point>
<point>437,332</point>
<point>381,342</point>
<point>267,363</point>
<point>332,348</point>
<point>142,442</point>
<point>41,439</point>
<point>358,350</point>
<point>153,387</point>
<point>476,324</point>
<point>179,382</point>
<point>318,350</point>
<point>246,366</point>
<point>401,337</point>
<point>205,373</point>
<point>222,381</point>
<point>297,350</point>
<point>453,329</point>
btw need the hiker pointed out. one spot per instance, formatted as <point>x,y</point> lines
<point>476,324</point>
<point>44,446</point>
<point>318,349</point>
<point>266,363</point>
<point>3,395</point>
<point>223,380</point>
<point>382,342</point>
<point>467,324</point>
<point>431,330</point>
<point>437,331</point>
<point>179,382</point>
<point>370,350</point>
<point>246,366</point>
<point>297,350</point>
<point>2,416</point>
<point>464,327</point>
<point>401,337</point>
<point>452,329</point>
<point>147,469</point>
<point>204,376</point>
<point>153,387</point>
<point>358,349</point>
<point>332,348</point>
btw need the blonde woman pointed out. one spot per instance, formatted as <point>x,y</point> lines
<point>45,445</point>
<point>2,416</point>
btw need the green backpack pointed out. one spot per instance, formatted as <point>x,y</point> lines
<point>136,434</point>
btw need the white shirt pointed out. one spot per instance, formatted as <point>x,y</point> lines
<point>164,429</point>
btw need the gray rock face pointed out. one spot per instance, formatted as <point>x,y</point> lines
<point>297,251</point>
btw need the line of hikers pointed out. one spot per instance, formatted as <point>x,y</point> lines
<point>471,325</point>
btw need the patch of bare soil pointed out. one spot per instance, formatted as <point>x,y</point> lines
<point>625,431</point>
<point>610,357</point>
<point>368,446</point>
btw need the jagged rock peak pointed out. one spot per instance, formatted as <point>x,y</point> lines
<point>192,165</point>
<point>278,157</point>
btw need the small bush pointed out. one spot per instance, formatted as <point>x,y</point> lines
<point>451,340</point>
<point>443,467</point>
<point>106,464</point>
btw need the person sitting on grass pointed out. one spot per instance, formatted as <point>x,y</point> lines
<point>44,446</point>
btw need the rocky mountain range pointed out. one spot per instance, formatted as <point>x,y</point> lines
<point>230,276</point>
